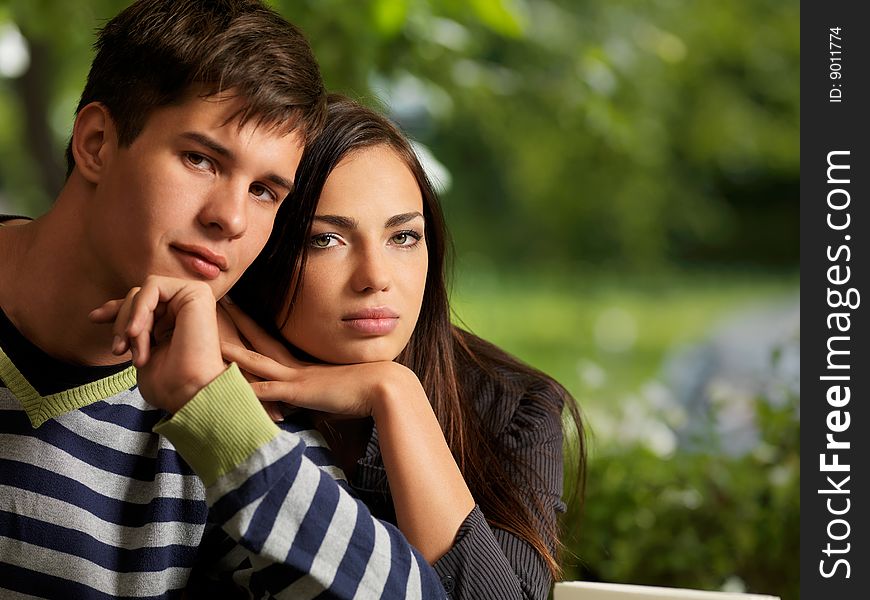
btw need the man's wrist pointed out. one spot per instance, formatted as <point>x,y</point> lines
<point>220,427</point>
<point>195,385</point>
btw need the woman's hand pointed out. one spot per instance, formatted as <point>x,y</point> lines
<point>276,376</point>
<point>169,325</point>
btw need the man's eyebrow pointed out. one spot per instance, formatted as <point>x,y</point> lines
<point>401,219</point>
<point>278,180</point>
<point>210,143</point>
<point>218,148</point>
<point>337,221</point>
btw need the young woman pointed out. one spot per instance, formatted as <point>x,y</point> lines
<point>463,447</point>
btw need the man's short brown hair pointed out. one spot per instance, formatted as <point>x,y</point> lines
<point>156,51</point>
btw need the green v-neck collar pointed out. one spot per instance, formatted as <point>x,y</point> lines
<point>41,408</point>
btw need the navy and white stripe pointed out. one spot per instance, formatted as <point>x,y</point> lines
<point>306,522</point>
<point>89,511</point>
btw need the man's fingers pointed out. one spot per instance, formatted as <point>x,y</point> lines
<point>122,339</point>
<point>136,316</point>
<point>149,318</point>
<point>140,323</point>
<point>107,312</point>
<point>143,305</point>
<point>110,312</point>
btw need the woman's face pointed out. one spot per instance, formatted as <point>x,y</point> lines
<point>367,261</point>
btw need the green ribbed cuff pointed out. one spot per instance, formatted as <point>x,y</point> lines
<point>220,427</point>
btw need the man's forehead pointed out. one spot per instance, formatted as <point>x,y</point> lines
<point>225,109</point>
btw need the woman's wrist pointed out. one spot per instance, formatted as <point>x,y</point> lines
<point>395,387</point>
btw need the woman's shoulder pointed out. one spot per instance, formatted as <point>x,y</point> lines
<point>505,391</point>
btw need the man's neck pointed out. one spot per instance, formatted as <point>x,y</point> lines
<point>49,284</point>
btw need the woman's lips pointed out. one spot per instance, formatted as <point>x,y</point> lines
<point>372,321</point>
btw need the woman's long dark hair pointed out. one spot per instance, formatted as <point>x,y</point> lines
<point>439,353</point>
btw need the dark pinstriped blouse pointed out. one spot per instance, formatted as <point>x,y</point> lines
<point>487,563</point>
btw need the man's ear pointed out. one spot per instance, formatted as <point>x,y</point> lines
<point>94,139</point>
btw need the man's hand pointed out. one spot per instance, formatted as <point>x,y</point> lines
<point>170,327</point>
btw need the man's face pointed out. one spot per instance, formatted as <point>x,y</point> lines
<point>194,196</point>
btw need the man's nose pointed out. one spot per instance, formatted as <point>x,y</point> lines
<point>226,211</point>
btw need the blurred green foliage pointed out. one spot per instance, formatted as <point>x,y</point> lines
<point>633,132</point>
<point>702,519</point>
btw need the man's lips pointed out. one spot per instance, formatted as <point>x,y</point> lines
<point>372,321</point>
<point>200,260</point>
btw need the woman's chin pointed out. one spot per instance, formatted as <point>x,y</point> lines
<point>367,357</point>
<point>340,348</point>
<point>361,353</point>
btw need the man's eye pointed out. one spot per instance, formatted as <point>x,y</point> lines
<point>198,161</point>
<point>262,193</point>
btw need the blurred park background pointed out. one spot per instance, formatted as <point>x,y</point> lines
<point>621,179</point>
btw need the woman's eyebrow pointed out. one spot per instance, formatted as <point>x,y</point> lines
<point>401,219</point>
<point>337,221</point>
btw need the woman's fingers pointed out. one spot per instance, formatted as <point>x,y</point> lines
<point>227,329</point>
<point>313,394</point>
<point>260,341</point>
<point>274,410</point>
<point>249,377</point>
<point>255,363</point>
<point>275,392</point>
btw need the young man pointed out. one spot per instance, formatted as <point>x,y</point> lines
<point>186,140</point>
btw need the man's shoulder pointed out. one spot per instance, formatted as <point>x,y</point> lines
<point>13,220</point>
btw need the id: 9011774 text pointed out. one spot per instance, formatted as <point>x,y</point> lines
<point>835,66</point>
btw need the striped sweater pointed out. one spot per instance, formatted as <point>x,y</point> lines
<point>104,496</point>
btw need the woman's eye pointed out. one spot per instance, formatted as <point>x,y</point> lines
<point>405,238</point>
<point>262,193</point>
<point>324,240</point>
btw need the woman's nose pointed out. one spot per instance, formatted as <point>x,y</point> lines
<point>371,273</point>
